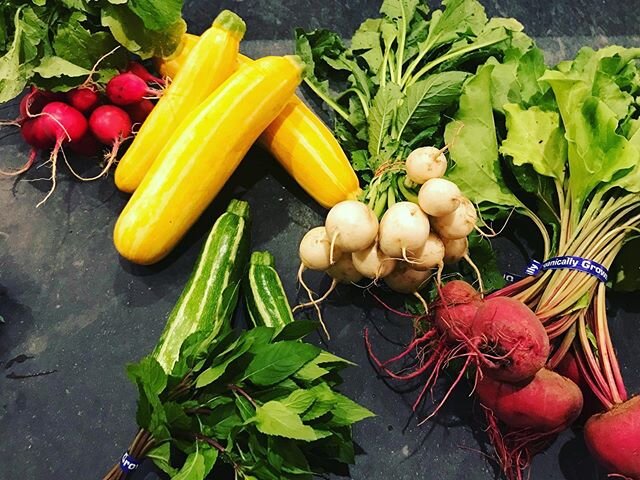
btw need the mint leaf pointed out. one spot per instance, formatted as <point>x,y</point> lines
<point>275,418</point>
<point>149,373</point>
<point>193,468</point>
<point>347,412</point>
<point>299,401</point>
<point>273,363</point>
<point>161,457</point>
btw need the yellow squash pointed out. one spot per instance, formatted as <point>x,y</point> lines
<point>204,67</point>
<point>201,155</point>
<point>301,143</point>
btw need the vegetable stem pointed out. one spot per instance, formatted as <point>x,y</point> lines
<point>328,100</point>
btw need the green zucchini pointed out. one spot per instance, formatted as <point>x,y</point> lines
<point>210,296</point>
<point>265,298</point>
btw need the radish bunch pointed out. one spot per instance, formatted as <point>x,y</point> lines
<point>85,119</point>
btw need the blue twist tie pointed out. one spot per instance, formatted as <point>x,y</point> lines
<point>568,262</point>
<point>127,463</point>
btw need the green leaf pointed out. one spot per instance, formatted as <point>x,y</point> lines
<point>310,372</point>
<point>59,67</point>
<point>484,257</point>
<point>425,100</point>
<point>396,9</point>
<point>275,418</point>
<point>193,468</point>
<point>161,457</point>
<point>596,152</point>
<point>211,374</point>
<point>473,146</point>
<point>13,74</point>
<point>149,373</point>
<point>381,116</point>
<point>296,330</point>
<point>458,17</point>
<point>347,412</point>
<point>157,14</point>
<point>129,31</point>
<point>535,137</point>
<point>299,401</point>
<point>273,363</point>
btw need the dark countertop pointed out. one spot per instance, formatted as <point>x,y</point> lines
<point>71,306</point>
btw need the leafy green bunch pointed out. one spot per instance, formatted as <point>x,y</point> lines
<point>54,44</point>
<point>261,401</point>
<point>395,86</point>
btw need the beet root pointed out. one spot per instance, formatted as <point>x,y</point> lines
<point>548,402</point>
<point>613,438</point>
<point>456,309</point>
<point>511,338</point>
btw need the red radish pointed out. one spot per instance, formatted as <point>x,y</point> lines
<point>34,134</point>
<point>511,338</point>
<point>127,88</point>
<point>456,308</point>
<point>613,438</point>
<point>31,104</point>
<point>110,124</point>
<point>62,123</point>
<point>84,99</point>
<point>139,70</point>
<point>87,146</point>
<point>139,111</point>
<point>58,124</point>
<point>546,403</point>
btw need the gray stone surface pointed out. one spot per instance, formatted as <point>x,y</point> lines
<point>72,306</point>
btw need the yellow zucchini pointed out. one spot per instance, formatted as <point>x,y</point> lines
<point>201,155</point>
<point>209,63</point>
<point>302,144</point>
<point>168,67</point>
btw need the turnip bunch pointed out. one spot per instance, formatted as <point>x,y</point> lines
<point>408,246</point>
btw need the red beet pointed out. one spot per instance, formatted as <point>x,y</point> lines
<point>569,368</point>
<point>511,338</point>
<point>613,438</point>
<point>456,309</point>
<point>548,402</point>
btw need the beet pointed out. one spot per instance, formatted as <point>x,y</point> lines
<point>456,309</point>
<point>548,402</point>
<point>512,339</point>
<point>613,438</point>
